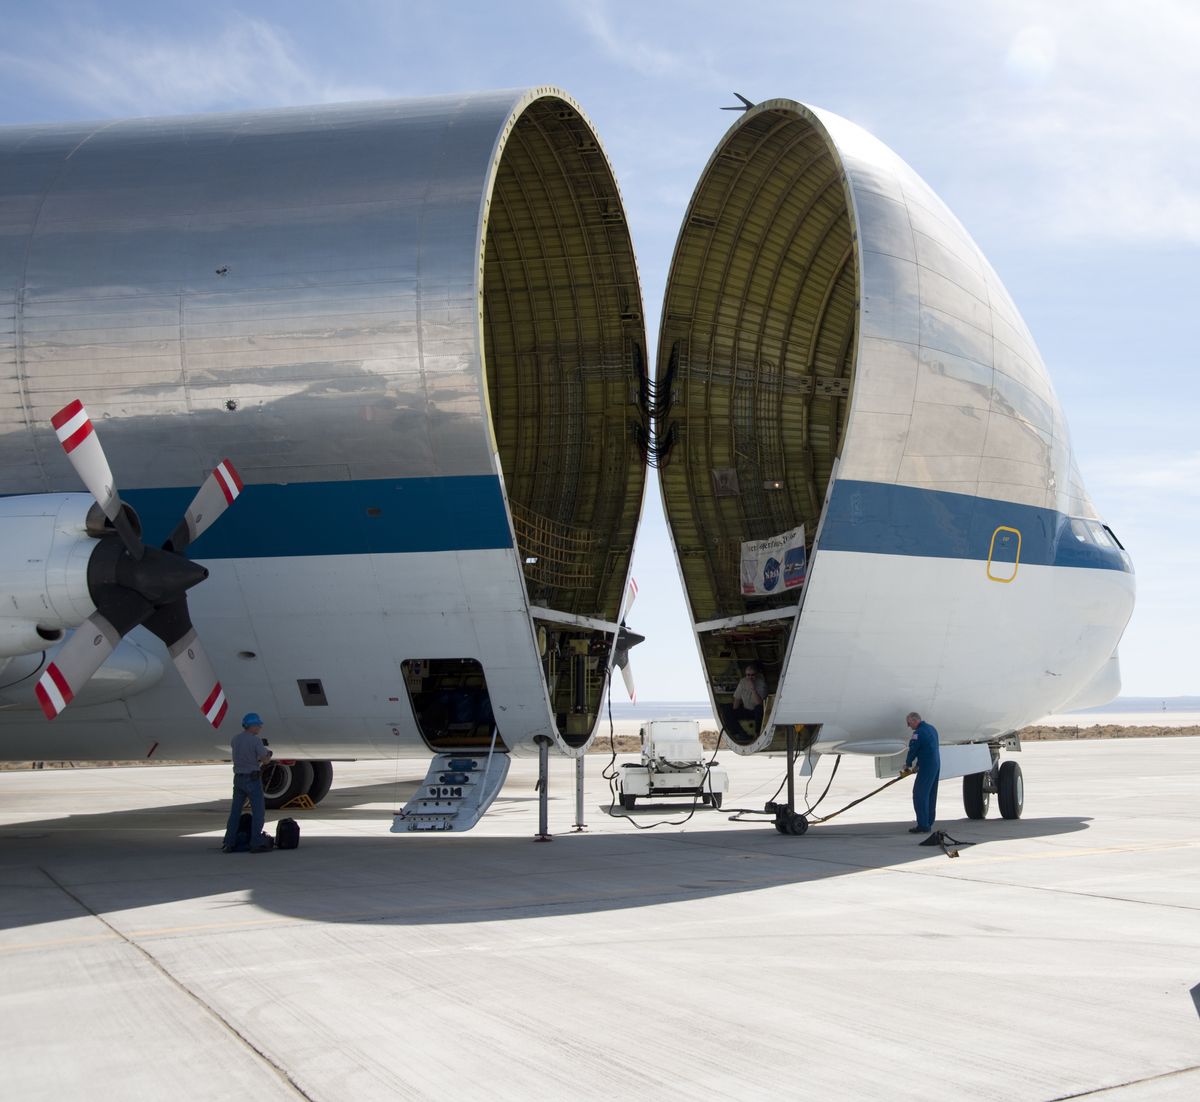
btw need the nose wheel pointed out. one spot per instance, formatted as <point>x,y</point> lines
<point>790,822</point>
<point>1006,782</point>
<point>1011,790</point>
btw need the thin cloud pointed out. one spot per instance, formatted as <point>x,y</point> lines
<point>247,62</point>
<point>1177,473</point>
<point>1100,116</point>
<point>624,48</point>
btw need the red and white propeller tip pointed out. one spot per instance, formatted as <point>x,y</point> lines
<point>197,674</point>
<point>631,592</point>
<point>78,437</point>
<point>52,691</point>
<point>77,659</point>
<point>218,491</point>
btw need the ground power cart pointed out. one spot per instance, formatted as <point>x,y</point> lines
<point>673,764</point>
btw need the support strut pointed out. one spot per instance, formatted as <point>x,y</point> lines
<point>579,823</point>
<point>543,785</point>
<point>787,820</point>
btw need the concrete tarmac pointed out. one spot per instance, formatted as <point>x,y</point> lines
<point>1057,957</point>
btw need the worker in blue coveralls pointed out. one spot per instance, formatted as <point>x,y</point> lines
<point>249,753</point>
<point>923,749</point>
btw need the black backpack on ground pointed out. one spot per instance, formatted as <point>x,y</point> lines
<point>287,834</point>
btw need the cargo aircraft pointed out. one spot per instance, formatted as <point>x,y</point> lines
<point>379,370</point>
<point>866,473</point>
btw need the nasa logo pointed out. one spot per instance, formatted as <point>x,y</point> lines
<point>771,574</point>
<point>793,567</point>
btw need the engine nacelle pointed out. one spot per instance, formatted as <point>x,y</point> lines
<point>46,541</point>
<point>129,670</point>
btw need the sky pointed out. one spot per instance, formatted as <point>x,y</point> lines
<point>1064,135</point>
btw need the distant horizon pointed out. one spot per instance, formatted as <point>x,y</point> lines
<point>1121,704</point>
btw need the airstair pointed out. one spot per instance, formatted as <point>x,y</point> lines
<point>457,790</point>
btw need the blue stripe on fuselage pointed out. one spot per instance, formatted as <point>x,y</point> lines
<point>376,516</point>
<point>881,519</point>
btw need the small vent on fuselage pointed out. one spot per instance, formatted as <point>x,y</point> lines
<point>312,692</point>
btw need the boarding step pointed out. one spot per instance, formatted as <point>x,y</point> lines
<point>456,792</point>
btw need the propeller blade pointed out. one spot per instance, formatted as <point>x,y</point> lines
<point>77,659</point>
<point>631,592</point>
<point>172,624</point>
<point>625,640</point>
<point>193,665</point>
<point>218,492</point>
<point>78,437</point>
<point>627,676</point>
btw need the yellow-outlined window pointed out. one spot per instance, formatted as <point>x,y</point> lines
<point>992,550</point>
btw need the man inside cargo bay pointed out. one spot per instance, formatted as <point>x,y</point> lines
<point>749,695</point>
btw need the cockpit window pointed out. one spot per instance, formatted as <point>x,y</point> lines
<point>1079,529</point>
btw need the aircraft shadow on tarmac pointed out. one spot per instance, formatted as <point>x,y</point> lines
<point>135,858</point>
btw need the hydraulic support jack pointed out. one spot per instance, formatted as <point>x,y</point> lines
<point>787,819</point>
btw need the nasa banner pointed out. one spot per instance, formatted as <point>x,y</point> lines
<point>773,565</point>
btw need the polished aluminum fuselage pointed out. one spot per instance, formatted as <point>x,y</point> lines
<point>302,291</point>
<point>953,413</point>
<point>947,575</point>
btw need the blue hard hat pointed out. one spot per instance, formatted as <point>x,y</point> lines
<point>251,719</point>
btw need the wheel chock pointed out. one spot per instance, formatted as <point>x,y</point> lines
<point>303,802</point>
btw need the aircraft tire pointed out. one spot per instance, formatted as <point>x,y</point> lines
<point>283,783</point>
<point>322,780</point>
<point>1012,790</point>
<point>976,795</point>
<point>790,822</point>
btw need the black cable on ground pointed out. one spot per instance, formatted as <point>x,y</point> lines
<point>940,838</point>
<point>743,811</point>
<point>855,803</point>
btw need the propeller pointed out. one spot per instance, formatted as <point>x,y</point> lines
<point>131,584</point>
<point>78,437</point>
<point>627,639</point>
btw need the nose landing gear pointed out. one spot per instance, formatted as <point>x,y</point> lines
<point>1004,779</point>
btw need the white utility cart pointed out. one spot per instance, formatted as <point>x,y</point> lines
<point>673,764</point>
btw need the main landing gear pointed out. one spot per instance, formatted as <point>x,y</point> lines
<point>283,781</point>
<point>1004,779</point>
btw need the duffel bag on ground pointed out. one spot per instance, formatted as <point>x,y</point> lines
<point>287,834</point>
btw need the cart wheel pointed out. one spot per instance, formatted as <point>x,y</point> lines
<point>627,801</point>
<point>716,800</point>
